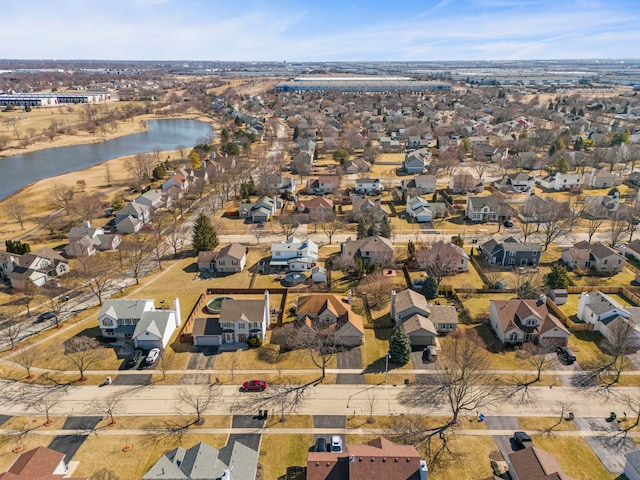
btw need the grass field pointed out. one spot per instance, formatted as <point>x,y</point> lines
<point>277,452</point>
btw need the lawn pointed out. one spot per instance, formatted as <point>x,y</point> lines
<point>575,457</point>
<point>478,303</point>
<point>540,424</point>
<point>27,442</point>
<point>586,346</point>
<point>506,359</point>
<point>465,462</point>
<point>376,346</point>
<point>146,451</point>
<point>622,279</point>
<point>277,452</point>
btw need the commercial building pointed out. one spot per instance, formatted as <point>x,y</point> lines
<point>371,84</point>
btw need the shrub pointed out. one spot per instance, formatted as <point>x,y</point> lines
<point>254,342</point>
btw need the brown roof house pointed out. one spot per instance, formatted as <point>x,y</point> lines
<point>520,321</point>
<point>229,259</point>
<point>372,249</point>
<point>596,256</point>
<point>316,209</point>
<point>41,463</point>
<point>535,464</point>
<point>422,322</point>
<point>320,312</point>
<point>380,458</point>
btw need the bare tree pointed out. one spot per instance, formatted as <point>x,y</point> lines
<point>463,382</point>
<point>109,406</point>
<point>87,206</point>
<point>371,402</point>
<point>330,224</point>
<point>48,400</point>
<point>27,294</point>
<point>199,401</point>
<point>321,345</point>
<point>377,288</point>
<point>258,231</point>
<point>26,357</point>
<point>286,399</point>
<point>618,224</point>
<point>537,357</point>
<point>11,332</point>
<point>439,259</point>
<point>140,167</point>
<point>97,271</point>
<point>175,238</point>
<point>594,216</point>
<point>288,225</point>
<point>107,175</point>
<point>134,249</point>
<point>554,219</point>
<point>83,352</point>
<point>17,210</point>
<point>62,195</point>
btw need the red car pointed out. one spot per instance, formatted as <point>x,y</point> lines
<point>254,386</point>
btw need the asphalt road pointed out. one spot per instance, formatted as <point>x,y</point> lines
<point>610,449</point>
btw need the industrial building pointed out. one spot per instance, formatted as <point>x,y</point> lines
<point>360,84</point>
<point>51,99</point>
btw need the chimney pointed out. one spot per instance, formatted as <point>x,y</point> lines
<point>176,308</point>
<point>542,299</point>
<point>349,296</point>
<point>393,306</point>
<point>267,309</point>
<point>584,301</point>
<point>86,224</point>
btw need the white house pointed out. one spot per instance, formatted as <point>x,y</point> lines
<point>609,317</point>
<point>369,186</point>
<point>140,321</point>
<point>419,209</point>
<point>294,254</point>
<point>561,181</point>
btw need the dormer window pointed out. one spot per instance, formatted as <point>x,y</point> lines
<point>531,322</point>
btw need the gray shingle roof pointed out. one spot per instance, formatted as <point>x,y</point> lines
<point>124,308</point>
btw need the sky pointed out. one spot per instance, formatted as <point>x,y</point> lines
<point>319,30</point>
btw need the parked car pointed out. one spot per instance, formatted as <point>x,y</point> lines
<point>254,386</point>
<point>336,443</point>
<point>46,316</point>
<point>429,354</point>
<point>522,439</point>
<point>321,445</point>
<point>134,359</point>
<point>152,356</point>
<point>417,284</point>
<point>566,355</point>
<point>507,223</point>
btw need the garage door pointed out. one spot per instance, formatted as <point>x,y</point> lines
<point>149,344</point>
<point>207,340</point>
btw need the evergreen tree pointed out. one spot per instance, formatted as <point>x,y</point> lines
<point>557,277</point>
<point>362,229</point>
<point>385,228</point>
<point>399,347</point>
<point>237,121</point>
<point>579,144</point>
<point>296,132</point>
<point>430,288</point>
<point>204,236</point>
<point>411,250</point>
<point>562,165</point>
<point>373,230</point>
<point>457,240</point>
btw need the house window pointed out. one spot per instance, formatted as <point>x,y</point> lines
<point>511,261</point>
<point>234,262</point>
<point>605,261</point>
<point>107,322</point>
<point>513,337</point>
<point>535,254</point>
<point>257,325</point>
<point>531,322</point>
<point>527,337</point>
<point>512,254</point>
<point>221,262</point>
<point>241,325</point>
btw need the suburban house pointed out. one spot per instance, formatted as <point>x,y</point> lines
<point>601,178</point>
<point>229,259</point>
<point>369,186</point>
<point>632,465</point>
<point>235,461</point>
<point>511,252</point>
<point>177,179</point>
<point>416,162</point>
<point>280,184</point>
<point>151,199</point>
<point>597,256</point>
<point>132,217</point>
<point>420,183</point>
<point>520,182</point>
<point>525,321</point>
<point>294,255</point>
<point>323,185</point>
<point>600,205</point>
<point>380,458</point>
<point>321,312</point>
<point>561,181</point>
<point>460,254</point>
<point>631,249</point>
<point>415,141</point>
<point>41,463</point>
<point>422,322</point>
<point>38,267</point>
<point>139,320</point>
<point>422,210</point>
<point>262,210</point>
<point>357,165</point>
<point>372,249</point>
<point>609,317</point>
<point>486,209</point>
<point>465,183</point>
<point>317,209</point>
<point>239,319</point>
<point>370,210</point>
<point>85,241</point>
<point>531,463</point>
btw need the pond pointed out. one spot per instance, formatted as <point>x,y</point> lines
<point>18,171</point>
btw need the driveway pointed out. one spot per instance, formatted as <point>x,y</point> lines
<point>203,358</point>
<point>564,380</point>
<point>69,444</point>
<point>505,443</point>
<point>329,421</point>
<point>609,448</point>
<point>418,362</point>
<point>4,419</point>
<point>350,359</point>
<point>251,440</point>
<point>135,379</point>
